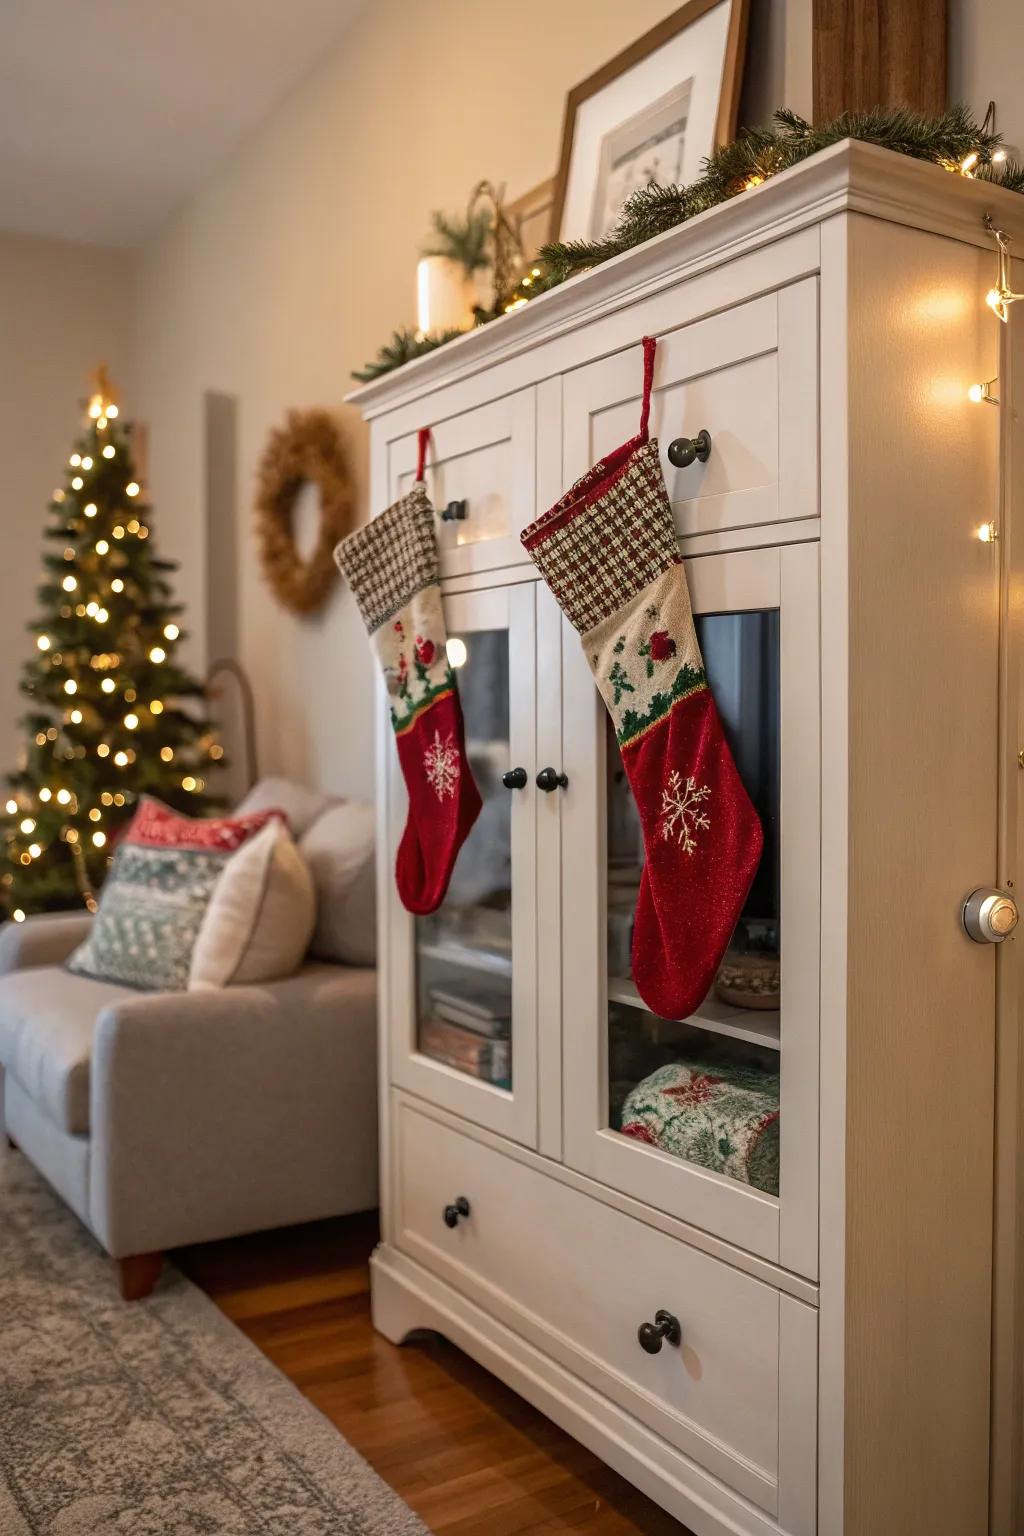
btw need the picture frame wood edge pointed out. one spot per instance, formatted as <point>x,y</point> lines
<point>662,32</point>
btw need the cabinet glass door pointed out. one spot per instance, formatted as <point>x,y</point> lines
<point>711,1117</point>
<point>466,1014</point>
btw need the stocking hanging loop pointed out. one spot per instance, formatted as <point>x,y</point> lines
<point>422,439</point>
<point>650,344</point>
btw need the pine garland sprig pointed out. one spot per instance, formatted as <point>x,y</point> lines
<point>402,348</point>
<point>759,153</point>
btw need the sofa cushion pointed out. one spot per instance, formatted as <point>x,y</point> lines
<point>47,1018</point>
<point>339,849</point>
<point>163,876</point>
<point>258,924</point>
<point>300,805</point>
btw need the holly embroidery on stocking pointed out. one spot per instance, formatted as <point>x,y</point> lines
<point>681,815</point>
<point>442,766</point>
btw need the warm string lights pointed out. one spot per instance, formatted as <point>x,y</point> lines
<point>104,670</point>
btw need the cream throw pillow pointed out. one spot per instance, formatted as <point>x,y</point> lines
<point>260,918</point>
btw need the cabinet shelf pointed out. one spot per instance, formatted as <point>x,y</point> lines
<point>451,952</point>
<point>759,1027</point>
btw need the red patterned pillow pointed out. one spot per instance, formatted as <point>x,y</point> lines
<point>157,893</point>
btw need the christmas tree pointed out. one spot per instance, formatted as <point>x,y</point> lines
<point>111,713</point>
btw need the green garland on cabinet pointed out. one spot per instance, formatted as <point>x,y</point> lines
<point>954,140</point>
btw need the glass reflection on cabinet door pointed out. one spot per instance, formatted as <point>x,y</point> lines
<point>464,949</point>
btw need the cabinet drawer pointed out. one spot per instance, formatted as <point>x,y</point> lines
<point>483,459</point>
<point>577,1278</point>
<point>748,377</point>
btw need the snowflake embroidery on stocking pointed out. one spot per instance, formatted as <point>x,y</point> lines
<point>441,766</point>
<point>681,815</point>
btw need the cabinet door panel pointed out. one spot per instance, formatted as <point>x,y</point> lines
<point>486,459</point>
<point>464,1004</point>
<point>757,1031</point>
<point>748,377</point>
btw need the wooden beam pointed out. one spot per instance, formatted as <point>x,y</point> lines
<point>878,53</point>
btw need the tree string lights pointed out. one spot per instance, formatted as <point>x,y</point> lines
<point>111,713</point>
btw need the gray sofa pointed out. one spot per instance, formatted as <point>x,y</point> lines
<point>172,1118</point>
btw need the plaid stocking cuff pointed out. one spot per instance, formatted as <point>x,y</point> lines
<point>392,558</point>
<point>608,538</point>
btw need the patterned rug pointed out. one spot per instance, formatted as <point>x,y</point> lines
<point>154,1418</point>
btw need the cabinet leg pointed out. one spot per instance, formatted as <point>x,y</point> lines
<point>138,1274</point>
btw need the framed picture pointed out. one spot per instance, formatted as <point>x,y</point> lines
<point>651,114</point>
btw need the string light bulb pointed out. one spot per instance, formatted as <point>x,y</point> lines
<point>45,794</point>
<point>171,631</point>
<point>108,685</point>
<point>1000,297</point>
<point>63,797</point>
<point>75,717</point>
<point>18,915</point>
<point>981,393</point>
<point>102,546</point>
<point>111,410</point>
<point>158,654</point>
<point>987,533</point>
<point>109,451</point>
<point>77,483</point>
<point>90,509</point>
<point>70,686</point>
<point>27,826</point>
<point>69,583</point>
<point>12,807</point>
<point>117,585</point>
<point>43,642</point>
<point>132,488</point>
<point>130,722</point>
<point>99,838</point>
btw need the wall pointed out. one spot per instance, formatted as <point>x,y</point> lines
<point>290,268</point>
<point>63,309</point>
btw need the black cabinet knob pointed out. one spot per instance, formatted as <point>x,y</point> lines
<point>652,1335</point>
<point>549,779</point>
<point>515,778</point>
<point>683,450</point>
<point>455,512</point>
<point>453,1212</point>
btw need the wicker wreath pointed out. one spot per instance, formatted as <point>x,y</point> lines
<point>306,448</point>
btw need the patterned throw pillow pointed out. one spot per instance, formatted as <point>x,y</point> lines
<point>156,895</point>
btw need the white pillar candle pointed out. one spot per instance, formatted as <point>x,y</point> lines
<point>444,300</point>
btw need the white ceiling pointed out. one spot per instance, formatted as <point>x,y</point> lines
<point>113,111</point>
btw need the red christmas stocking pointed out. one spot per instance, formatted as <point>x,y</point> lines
<point>392,567</point>
<point>609,553</point>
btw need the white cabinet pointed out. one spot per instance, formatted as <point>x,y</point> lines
<point>829,1372</point>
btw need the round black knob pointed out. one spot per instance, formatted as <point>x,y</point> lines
<point>549,779</point>
<point>683,450</point>
<point>652,1335</point>
<point>455,512</point>
<point>515,778</point>
<point>452,1213</point>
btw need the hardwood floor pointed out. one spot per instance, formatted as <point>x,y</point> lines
<point>467,1454</point>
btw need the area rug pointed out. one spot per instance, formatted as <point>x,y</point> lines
<point>153,1418</point>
